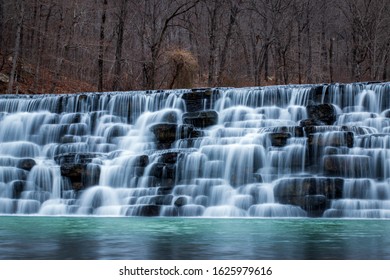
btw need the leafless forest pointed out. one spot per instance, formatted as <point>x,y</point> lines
<point>49,46</point>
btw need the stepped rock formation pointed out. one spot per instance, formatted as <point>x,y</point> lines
<point>277,151</point>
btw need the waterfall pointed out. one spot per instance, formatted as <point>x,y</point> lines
<point>276,151</point>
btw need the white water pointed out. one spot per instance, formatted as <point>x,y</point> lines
<point>229,168</point>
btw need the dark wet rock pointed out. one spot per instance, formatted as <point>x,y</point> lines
<point>144,210</point>
<point>201,119</point>
<point>180,201</point>
<point>334,139</point>
<point>162,200</point>
<point>156,169</point>
<point>78,186</point>
<point>169,157</point>
<point>170,117</point>
<point>26,163</point>
<point>311,122</point>
<point>66,139</point>
<point>117,130</point>
<point>279,139</point>
<point>300,191</point>
<point>335,150</point>
<point>258,178</point>
<point>164,190</point>
<point>322,129</point>
<point>164,173</point>
<point>73,171</point>
<point>171,211</point>
<point>196,134</point>
<point>317,92</point>
<point>81,158</point>
<point>17,186</point>
<point>351,166</point>
<point>196,99</point>
<point>322,112</point>
<point>139,171</point>
<point>81,175</point>
<point>74,117</point>
<point>202,200</point>
<point>359,130</point>
<point>150,181</point>
<point>165,134</point>
<point>91,176</point>
<point>295,131</point>
<point>169,172</point>
<point>386,113</point>
<point>141,161</point>
<point>188,131</point>
<point>315,205</point>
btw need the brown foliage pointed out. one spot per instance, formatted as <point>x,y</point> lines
<point>182,68</point>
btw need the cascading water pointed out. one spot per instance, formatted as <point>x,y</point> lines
<point>278,151</point>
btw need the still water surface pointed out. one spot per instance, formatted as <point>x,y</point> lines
<point>94,238</point>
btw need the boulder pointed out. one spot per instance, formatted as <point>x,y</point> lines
<point>188,131</point>
<point>196,99</point>
<point>169,157</point>
<point>311,122</point>
<point>317,92</point>
<point>75,173</point>
<point>180,201</point>
<point>80,158</point>
<point>81,175</point>
<point>26,163</point>
<point>309,193</point>
<point>350,166</point>
<point>165,134</point>
<point>164,190</point>
<point>17,187</point>
<point>315,205</point>
<point>141,161</point>
<point>333,138</point>
<point>279,139</point>
<point>295,131</point>
<point>169,116</point>
<point>144,210</point>
<point>201,119</point>
<point>322,112</point>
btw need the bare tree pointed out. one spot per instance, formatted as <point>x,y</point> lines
<point>234,10</point>
<point>119,45</point>
<point>129,44</point>
<point>101,47</point>
<point>156,22</point>
<point>12,77</point>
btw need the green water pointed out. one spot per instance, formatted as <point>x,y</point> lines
<point>94,238</point>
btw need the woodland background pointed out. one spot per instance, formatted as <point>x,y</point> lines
<point>53,46</point>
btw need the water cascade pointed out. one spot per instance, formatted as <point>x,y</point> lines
<point>277,151</point>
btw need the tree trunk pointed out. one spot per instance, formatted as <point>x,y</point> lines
<point>309,68</point>
<point>212,43</point>
<point>245,50</point>
<point>1,24</point>
<point>118,50</point>
<point>299,52</point>
<point>101,47</point>
<point>331,66</point>
<point>233,16</point>
<point>59,55</point>
<point>41,40</point>
<point>12,75</point>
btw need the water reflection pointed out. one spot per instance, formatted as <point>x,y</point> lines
<point>163,238</point>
